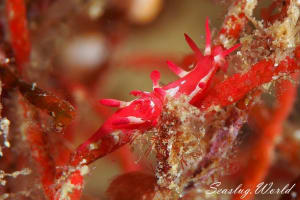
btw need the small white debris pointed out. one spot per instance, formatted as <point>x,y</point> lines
<point>3,182</point>
<point>83,162</point>
<point>84,170</point>
<point>52,114</point>
<point>116,136</point>
<point>66,189</point>
<point>33,86</point>
<point>4,130</point>
<point>24,172</point>
<point>7,144</point>
<point>15,174</point>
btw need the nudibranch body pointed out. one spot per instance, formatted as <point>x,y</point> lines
<point>144,112</point>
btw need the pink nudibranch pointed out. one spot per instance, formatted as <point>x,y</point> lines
<point>144,112</point>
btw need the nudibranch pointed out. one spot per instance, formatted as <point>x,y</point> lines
<point>143,113</point>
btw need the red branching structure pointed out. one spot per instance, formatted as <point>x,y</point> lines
<point>262,152</point>
<point>190,125</point>
<point>259,74</point>
<point>16,15</point>
<point>234,22</point>
<point>36,139</point>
